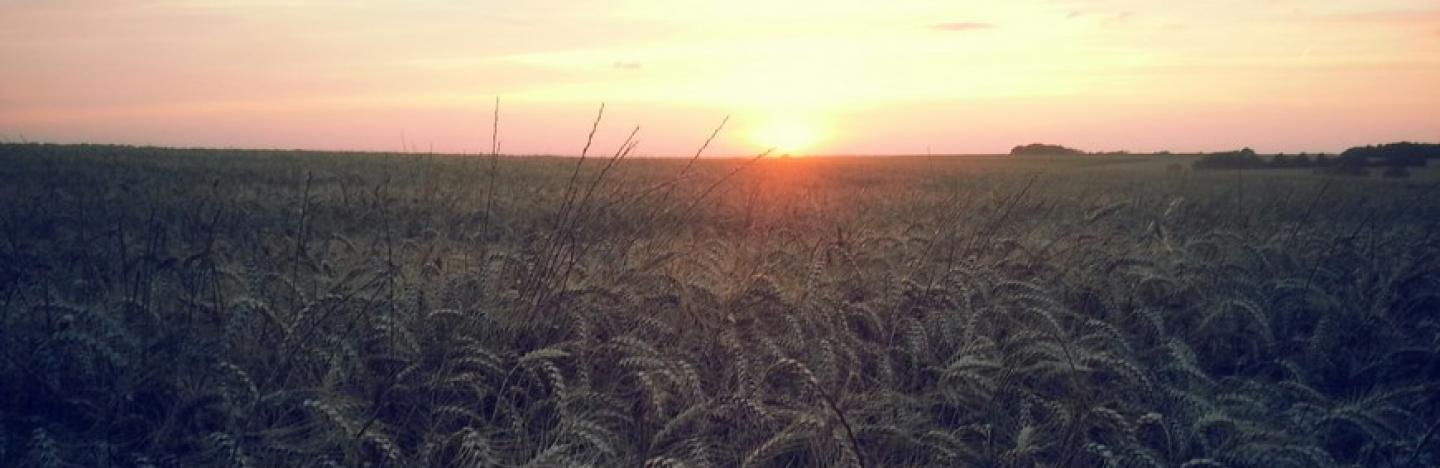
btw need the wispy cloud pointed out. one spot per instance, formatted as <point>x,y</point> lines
<point>627,65</point>
<point>961,26</point>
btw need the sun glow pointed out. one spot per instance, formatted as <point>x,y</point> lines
<point>789,134</point>
<point>970,77</point>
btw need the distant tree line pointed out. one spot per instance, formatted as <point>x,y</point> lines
<point>1044,149</point>
<point>1243,159</point>
<point>1395,157</point>
<point>1041,149</point>
<point>1404,154</point>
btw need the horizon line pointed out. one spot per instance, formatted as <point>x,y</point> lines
<point>633,156</point>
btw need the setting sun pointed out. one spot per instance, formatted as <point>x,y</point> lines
<point>958,77</point>
<point>788,134</point>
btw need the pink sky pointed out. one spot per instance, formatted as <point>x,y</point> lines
<point>814,76</point>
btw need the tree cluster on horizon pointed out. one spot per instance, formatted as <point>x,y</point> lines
<point>1041,149</point>
<point>1396,157</point>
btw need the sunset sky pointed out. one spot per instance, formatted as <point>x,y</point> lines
<point>813,76</point>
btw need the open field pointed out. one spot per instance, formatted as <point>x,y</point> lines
<point>239,308</point>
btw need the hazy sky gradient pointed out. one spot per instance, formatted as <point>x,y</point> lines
<point>828,76</point>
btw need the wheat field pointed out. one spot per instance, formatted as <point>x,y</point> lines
<point>196,308</point>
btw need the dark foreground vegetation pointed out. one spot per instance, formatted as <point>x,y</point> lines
<point>223,308</point>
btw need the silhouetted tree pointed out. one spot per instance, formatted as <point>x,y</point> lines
<point>1393,154</point>
<point>1040,149</point>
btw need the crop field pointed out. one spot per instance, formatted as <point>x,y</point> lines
<point>196,308</point>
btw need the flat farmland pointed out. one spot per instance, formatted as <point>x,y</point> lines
<point>168,307</point>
